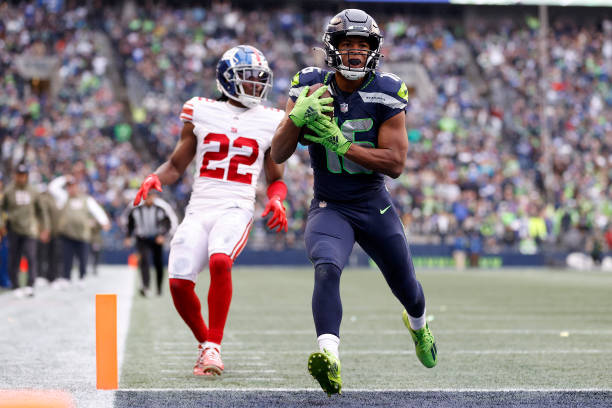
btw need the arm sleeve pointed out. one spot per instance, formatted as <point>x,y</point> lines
<point>130,224</point>
<point>97,211</point>
<point>169,212</point>
<point>42,211</point>
<point>164,223</point>
<point>187,110</point>
<point>394,98</point>
<point>56,188</point>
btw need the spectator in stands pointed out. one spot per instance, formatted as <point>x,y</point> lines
<point>475,247</point>
<point>460,247</point>
<point>476,126</point>
<point>23,218</point>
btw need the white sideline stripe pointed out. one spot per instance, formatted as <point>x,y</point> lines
<point>461,390</point>
<point>242,363</point>
<point>404,331</point>
<point>181,355</point>
<point>232,371</point>
<point>124,313</point>
<point>236,378</point>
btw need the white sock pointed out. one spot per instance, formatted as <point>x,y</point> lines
<point>329,342</point>
<point>417,323</point>
<point>210,344</point>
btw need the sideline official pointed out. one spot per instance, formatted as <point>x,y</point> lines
<point>150,223</point>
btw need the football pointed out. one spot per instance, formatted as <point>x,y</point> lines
<point>303,141</point>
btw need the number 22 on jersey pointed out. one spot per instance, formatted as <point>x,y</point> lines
<point>209,169</point>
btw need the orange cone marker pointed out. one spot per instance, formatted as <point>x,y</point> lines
<point>106,342</point>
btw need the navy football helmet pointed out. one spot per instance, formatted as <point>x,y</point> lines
<point>353,22</point>
<point>240,66</point>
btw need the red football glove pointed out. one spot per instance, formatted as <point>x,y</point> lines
<point>152,181</point>
<point>279,217</point>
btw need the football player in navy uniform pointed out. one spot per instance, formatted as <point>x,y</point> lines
<point>350,155</point>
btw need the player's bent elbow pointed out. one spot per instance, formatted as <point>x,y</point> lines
<point>395,171</point>
<point>394,174</point>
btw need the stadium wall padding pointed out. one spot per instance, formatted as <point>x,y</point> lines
<point>424,256</point>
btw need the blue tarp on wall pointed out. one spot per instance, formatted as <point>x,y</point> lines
<point>423,255</point>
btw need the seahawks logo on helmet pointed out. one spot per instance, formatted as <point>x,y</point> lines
<point>240,66</point>
<point>352,22</point>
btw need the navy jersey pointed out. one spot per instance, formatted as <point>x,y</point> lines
<point>359,116</point>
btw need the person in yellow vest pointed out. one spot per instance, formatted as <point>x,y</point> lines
<point>78,213</point>
<point>23,219</point>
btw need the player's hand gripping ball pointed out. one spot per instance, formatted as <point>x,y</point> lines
<point>330,113</point>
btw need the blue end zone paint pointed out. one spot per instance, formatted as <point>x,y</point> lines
<point>360,399</point>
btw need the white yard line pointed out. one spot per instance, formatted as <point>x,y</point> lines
<point>436,331</point>
<point>166,371</point>
<point>181,354</point>
<point>450,390</point>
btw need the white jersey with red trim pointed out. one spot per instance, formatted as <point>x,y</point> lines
<point>231,143</point>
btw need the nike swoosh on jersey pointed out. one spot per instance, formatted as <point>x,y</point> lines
<point>384,210</point>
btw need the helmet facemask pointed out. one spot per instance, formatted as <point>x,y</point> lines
<point>352,23</point>
<point>334,58</point>
<point>243,75</point>
<point>248,90</point>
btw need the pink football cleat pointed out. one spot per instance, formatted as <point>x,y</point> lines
<point>211,362</point>
<point>197,368</point>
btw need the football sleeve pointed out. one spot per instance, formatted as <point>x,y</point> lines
<point>187,111</point>
<point>394,98</point>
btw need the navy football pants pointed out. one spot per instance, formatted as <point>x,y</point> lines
<point>331,231</point>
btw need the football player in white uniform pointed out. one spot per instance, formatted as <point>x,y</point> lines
<point>230,140</point>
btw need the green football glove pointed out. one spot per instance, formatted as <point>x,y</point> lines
<point>308,108</point>
<point>329,135</point>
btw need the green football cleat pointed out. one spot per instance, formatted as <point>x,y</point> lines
<point>325,368</point>
<point>424,343</point>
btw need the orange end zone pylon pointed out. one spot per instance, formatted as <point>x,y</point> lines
<point>106,342</point>
<point>35,398</point>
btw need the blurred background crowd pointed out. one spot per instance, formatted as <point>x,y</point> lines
<point>479,173</point>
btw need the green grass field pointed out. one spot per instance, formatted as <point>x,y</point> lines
<point>495,330</point>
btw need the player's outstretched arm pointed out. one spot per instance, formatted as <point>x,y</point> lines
<point>174,167</point>
<point>285,138</point>
<point>390,156</point>
<point>277,191</point>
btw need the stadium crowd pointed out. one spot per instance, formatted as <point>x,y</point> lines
<point>476,175</point>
